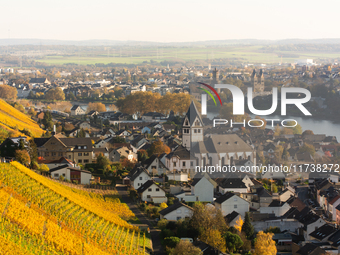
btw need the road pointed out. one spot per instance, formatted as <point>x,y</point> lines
<point>302,192</point>
<point>155,233</point>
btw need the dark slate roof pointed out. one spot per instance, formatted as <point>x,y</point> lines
<point>296,203</point>
<point>75,107</point>
<point>323,231</point>
<point>74,142</point>
<point>231,216</point>
<point>38,80</point>
<point>173,207</point>
<point>335,238</point>
<point>311,249</point>
<point>146,185</point>
<point>40,141</point>
<point>136,171</point>
<point>180,152</point>
<point>233,183</point>
<point>262,192</point>
<point>192,113</point>
<point>224,197</point>
<point>58,168</point>
<point>276,203</point>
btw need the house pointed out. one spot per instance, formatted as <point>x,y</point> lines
<point>276,207</point>
<point>332,207</point>
<point>78,150</point>
<point>230,202</point>
<point>72,174</point>
<point>77,110</point>
<point>11,144</point>
<point>150,116</point>
<point>179,160</point>
<point>232,217</point>
<point>155,166</point>
<point>322,233</point>
<point>116,154</point>
<point>203,188</point>
<point>232,185</point>
<point>285,194</point>
<point>123,133</point>
<point>151,192</point>
<point>138,176</point>
<point>39,81</point>
<point>59,162</point>
<point>177,211</point>
<point>85,125</point>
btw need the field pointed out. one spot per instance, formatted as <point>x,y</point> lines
<point>40,216</point>
<point>247,54</point>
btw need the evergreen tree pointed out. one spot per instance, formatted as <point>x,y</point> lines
<point>247,227</point>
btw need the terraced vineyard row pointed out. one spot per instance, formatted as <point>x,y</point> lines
<point>39,211</point>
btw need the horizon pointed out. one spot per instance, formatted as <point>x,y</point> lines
<point>166,22</point>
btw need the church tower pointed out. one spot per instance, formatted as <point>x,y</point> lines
<point>192,128</point>
<point>215,79</point>
<point>260,82</point>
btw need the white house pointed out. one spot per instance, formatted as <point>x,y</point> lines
<point>277,207</point>
<point>151,192</point>
<point>138,176</point>
<point>230,202</point>
<point>286,194</point>
<point>203,188</point>
<point>179,160</point>
<point>77,110</point>
<point>72,174</point>
<point>332,206</point>
<point>176,211</point>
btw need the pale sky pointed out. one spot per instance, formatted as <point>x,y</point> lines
<point>169,21</point>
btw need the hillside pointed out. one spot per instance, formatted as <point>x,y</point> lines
<point>13,120</point>
<point>40,216</point>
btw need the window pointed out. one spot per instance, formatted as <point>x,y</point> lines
<point>47,154</point>
<point>157,189</point>
<point>69,156</point>
<point>85,147</point>
<point>86,161</point>
<point>174,164</point>
<point>138,184</point>
<point>199,131</point>
<point>195,130</point>
<point>235,206</point>
<point>150,189</point>
<point>54,154</point>
<point>184,163</point>
<point>140,178</point>
<point>64,175</point>
<point>80,161</point>
<point>86,153</point>
<point>56,175</point>
<point>80,154</point>
<point>148,196</point>
<point>178,218</point>
<point>191,163</point>
<point>60,154</point>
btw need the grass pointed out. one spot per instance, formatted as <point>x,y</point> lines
<point>251,54</point>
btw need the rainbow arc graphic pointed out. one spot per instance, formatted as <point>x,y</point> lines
<point>209,93</point>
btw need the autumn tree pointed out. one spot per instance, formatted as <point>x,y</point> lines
<point>54,94</point>
<point>158,148</point>
<point>307,148</point>
<point>185,248</point>
<point>264,244</point>
<point>8,92</point>
<point>99,107</point>
<point>214,238</point>
<point>307,132</point>
<point>226,112</point>
<point>239,224</point>
<point>204,220</point>
<point>22,157</point>
<point>103,162</point>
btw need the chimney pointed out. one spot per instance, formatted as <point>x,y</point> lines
<point>54,130</point>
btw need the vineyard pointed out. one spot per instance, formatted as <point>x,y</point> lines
<point>40,216</point>
<point>12,119</point>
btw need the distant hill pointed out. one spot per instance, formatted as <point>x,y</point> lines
<point>13,120</point>
<point>4,42</point>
